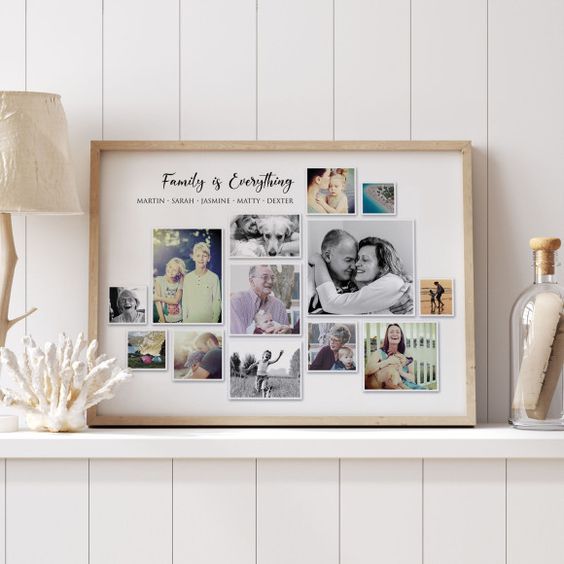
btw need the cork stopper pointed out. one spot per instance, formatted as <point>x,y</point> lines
<point>544,248</point>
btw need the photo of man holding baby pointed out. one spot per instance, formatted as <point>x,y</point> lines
<point>265,299</point>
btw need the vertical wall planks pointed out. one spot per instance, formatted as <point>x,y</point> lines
<point>12,45</point>
<point>464,511</point>
<point>298,511</point>
<point>141,78</point>
<point>130,511</point>
<point>535,497</point>
<point>212,496</point>
<point>12,77</point>
<point>526,117</point>
<point>449,101</point>
<point>47,511</point>
<point>218,69</point>
<point>295,69</point>
<point>64,56</point>
<point>380,498</point>
<point>372,69</point>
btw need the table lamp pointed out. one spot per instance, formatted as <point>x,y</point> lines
<point>36,176</point>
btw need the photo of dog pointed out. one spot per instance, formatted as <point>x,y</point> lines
<point>254,236</point>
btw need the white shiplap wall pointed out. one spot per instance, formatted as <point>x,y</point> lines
<point>488,71</point>
<point>485,70</point>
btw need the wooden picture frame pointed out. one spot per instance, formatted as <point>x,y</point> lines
<point>464,415</point>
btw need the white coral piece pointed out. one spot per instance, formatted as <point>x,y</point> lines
<point>54,387</point>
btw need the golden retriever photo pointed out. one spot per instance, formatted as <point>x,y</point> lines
<point>254,236</point>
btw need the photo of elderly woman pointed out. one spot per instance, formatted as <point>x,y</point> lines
<point>128,305</point>
<point>198,356</point>
<point>361,268</point>
<point>265,299</point>
<point>331,347</point>
<point>401,356</point>
<point>331,191</point>
<point>187,270</point>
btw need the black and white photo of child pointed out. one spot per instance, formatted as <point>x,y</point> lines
<point>128,305</point>
<point>361,267</point>
<point>268,371</point>
<point>198,356</point>
<point>331,347</point>
<point>255,236</point>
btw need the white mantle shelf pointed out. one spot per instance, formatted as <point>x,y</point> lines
<point>487,441</point>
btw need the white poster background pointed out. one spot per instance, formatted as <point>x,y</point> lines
<point>429,192</point>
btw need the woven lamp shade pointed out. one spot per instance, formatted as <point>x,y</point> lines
<point>36,175</point>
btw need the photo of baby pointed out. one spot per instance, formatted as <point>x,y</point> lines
<point>331,191</point>
<point>255,236</point>
<point>401,356</point>
<point>128,305</point>
<point>265,299</point>
<point>268,372</point>
<point>198,356</point>
<point>331,347</point>
<point>187,270</point>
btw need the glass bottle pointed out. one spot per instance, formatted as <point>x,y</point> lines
<point>537,345</point>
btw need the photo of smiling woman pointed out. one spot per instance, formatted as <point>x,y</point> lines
<point>128,305</point>
<point>187,269</point>
<point>361,268</point>
<point>401,356</point>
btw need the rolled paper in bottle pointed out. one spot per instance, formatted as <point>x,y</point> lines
<point>546,315</point>
<point>552,374</point>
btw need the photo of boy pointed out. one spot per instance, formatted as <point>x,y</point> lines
<point>271,372</point>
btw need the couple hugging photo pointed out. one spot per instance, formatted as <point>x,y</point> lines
<point>361,268</point>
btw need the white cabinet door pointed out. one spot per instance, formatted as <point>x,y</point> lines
<point>130,511</point>
<point>298,512</point>
<point>46,511</point>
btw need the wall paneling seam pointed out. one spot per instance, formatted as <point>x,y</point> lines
<point>422,511</point>
<point>256,510</point>
<point>180,70</point>
<point>487,341</point>
<point>26,285</point>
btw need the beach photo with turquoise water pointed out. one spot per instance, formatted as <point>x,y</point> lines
<point>379,199</point>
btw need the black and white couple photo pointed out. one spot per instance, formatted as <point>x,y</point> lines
<point>361,267</point>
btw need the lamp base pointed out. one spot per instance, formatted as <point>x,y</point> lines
<point>8,260</point>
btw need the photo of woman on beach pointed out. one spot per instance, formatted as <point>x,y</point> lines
<point>331,191</point>
<point>436,297</point>
<point>401,356</point>
<point>361,268</point>
<point>187,271</point>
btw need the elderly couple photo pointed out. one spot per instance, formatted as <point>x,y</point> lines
<point>361,267</point>
<point>187,276</point>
